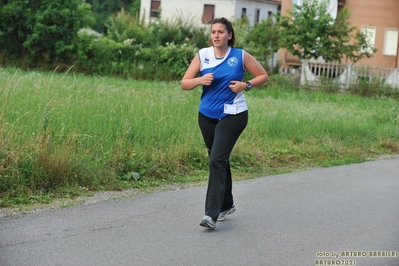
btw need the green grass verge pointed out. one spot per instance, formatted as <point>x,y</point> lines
<point>63,135</point>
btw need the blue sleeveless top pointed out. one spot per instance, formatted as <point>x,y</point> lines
<point>216,96</point>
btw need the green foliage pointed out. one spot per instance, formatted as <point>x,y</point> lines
<point>41,31</point>
<point>110,58</point>
<point>161,51</point>
<point>310,32</point>
<point>353,45</point>
<point>124,27</point>
<point>242,31</point>
<point>264,39</point>
<point>14,23</point>
<point>175,58</point>
<point>103,10</point>
<point>177,31</point>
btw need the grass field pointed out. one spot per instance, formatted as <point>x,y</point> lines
<point>63,134</point>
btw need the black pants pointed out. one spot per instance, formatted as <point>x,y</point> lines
<point>220,137</point>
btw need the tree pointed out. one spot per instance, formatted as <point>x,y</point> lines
<point>104,9</point>
<point>310,32</point>
<point>41,30</point>
<point>123,26</point>
<point>263,39</point>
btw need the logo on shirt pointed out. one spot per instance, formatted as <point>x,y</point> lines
<point>232,61</point>
<point>206,60</point>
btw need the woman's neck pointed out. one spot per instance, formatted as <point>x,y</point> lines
<point>220,52</point>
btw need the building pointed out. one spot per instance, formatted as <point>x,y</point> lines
<point>379,19</point>
<point>204,11</point>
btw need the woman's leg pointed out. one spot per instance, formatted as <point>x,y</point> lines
<point>228,195</point>
<point>220,143</point>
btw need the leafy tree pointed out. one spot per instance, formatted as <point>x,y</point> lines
<point>241,30</point>
<point>33,30</point>
<point>135,8</point>
<point>263,39</point>
<point>104,9</point>
<point>125,27</point>
<point>310,32</point>
<point>15,23</point>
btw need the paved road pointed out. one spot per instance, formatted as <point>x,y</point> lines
<point>298,219</point>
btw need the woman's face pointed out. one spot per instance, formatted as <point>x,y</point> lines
<point>219,35</point>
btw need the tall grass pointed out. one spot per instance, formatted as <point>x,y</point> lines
<point>63,134</point>
<point>319,129</point>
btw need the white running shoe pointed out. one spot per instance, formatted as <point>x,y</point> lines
<point>223,214</point>
<point>208,222</point>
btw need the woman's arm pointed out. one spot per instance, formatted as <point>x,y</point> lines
<point>253,66</point>
<point>259,73</point>
<point>191,80</point>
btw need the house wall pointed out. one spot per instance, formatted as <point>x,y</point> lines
<point>193,9</point>
<point>286,5</point>
<point>381,14</point>
<point>251,6</point>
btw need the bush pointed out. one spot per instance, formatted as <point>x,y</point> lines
<point>106,57</point>
<point>124,27</point>
<point>41,34</point>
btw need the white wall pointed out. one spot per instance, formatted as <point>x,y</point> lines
<point>190,9</point>
<point>251,7</point>
<point>193,9</point>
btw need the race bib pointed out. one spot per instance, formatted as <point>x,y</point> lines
<point>230,109</point>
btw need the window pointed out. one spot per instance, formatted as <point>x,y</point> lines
<point>155,6</point>
<point>243,12</point>
<point>209,14</point>
<point>370,36</point>
<point>257,15</point>
<point>391,42</point>
<point>269,15</point>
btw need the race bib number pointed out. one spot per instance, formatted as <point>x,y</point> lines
<point>230,109</point>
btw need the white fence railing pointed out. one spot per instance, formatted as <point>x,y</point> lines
<point>345,76</point>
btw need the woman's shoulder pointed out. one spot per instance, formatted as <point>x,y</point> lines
<point>236,50</point>
<point>205,49</point>
<point>205,52</point>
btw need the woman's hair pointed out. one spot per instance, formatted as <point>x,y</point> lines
<point>229,28</point>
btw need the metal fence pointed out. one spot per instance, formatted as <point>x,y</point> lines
<point>345,76</point>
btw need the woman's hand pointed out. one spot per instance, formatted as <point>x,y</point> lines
<point>207,79</point>
<point>237,86</point>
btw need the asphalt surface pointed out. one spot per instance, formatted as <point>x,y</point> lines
<point>346,215</point>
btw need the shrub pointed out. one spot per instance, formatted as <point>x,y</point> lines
<point>41,33</point>
<point>106,57</point>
